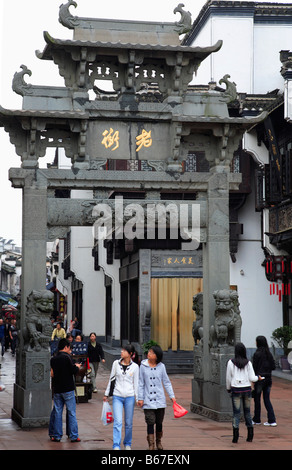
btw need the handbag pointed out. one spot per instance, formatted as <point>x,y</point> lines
<point>113,383</point>
<point>178,410</point>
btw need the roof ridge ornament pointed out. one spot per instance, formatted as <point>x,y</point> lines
<point>65,17</point>
<point>231,91</point>
<point>18,84</point>
<point>184,25</point>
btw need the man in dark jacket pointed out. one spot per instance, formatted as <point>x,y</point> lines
<point>62,372</point>
<point>95,355</point>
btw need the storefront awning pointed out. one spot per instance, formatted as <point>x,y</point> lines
<point>8,299</point>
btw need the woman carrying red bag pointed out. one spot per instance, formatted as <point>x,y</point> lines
<point>151,394</point>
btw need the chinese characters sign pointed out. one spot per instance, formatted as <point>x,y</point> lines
<point>143,140</point>
<point>178,260</point>
<point>175,260</point>
<point>111,139</point>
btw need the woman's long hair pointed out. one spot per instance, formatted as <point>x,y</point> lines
<point>262,345</point>
<point>133,353</point>
<point>240,360</point>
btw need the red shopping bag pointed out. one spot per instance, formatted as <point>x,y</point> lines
<point>178,410</point>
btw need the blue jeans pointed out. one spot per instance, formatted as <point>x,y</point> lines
<point>237,399</point>
<point>52,423</point>
<point>119,404</point>
<point>67,399</point>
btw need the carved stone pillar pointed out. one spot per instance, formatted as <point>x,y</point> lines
<point>209,396</point>
<point>32,394</point>
<point>145,295</point>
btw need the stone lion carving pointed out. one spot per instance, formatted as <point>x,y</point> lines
<point>198,323</point>
<point>38,329</point>
<point>227,328</point>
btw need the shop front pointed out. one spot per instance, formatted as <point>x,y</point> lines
<point>176,276</point>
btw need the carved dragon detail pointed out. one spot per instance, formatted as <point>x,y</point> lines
<point>65,17</point>
<point>185,23</point>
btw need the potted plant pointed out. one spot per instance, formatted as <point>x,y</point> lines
<point>146,346</point>
<point>282,336</point>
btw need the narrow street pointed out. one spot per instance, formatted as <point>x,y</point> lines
<point>192,432</point>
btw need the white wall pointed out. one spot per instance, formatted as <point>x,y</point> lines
<point>112,270</point>
<point>82,264</point>
<point>269,40</point>
<point>235,56</point>
<point>261,312</point>
<point>250,53</point>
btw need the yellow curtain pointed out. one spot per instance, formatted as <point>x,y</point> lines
<point>172,314</point>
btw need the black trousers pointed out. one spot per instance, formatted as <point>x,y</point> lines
<point>152,417</point>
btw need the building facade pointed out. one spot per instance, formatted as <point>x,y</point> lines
<point>260,86</point>
<point>255,53</point>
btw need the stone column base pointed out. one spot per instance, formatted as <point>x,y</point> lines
<point>211,400</point>
<point>31,408</point>
<point>209,396</point>
<point>210,413</point>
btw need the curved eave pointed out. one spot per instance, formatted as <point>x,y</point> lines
<point>10,113</point>
<point>52,43</point>
<point>243,122</point>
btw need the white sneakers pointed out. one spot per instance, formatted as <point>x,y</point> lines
<point>265,424</point>
<point>126,448</point>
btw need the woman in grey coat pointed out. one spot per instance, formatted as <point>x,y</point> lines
<point>151,395</point>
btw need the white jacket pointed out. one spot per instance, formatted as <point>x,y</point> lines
<point>239,378</point>
<point>126,382</point>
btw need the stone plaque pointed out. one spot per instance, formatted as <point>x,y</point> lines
<point>134,140</point>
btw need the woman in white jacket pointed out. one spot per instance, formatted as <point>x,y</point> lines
<point>126,373</point>
<point>239,377</point>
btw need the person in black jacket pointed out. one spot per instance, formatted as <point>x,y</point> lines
<point>95,355</point>
<point>62,372</point>
<point>263,364</point>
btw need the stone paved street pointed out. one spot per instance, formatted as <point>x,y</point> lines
<point>192,432</point>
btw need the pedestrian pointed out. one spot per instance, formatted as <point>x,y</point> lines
<point>125,394</point>
<point>58,332</point>
<point>263,364</point>
<point>151,395</point>
<point>239,377</point>
<point>2,336</point>
<point>75,327</point>
<point>13,336</point>
<point>95,355</point>
<point>62,372</point>
<point>69,337</point>
<point>7,334</point>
